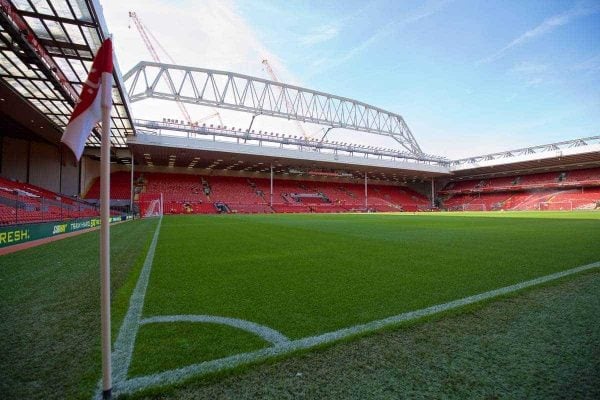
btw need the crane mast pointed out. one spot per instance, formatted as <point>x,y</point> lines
<point>210,116</point>
<point>287,102</point>
<point>140,27</point>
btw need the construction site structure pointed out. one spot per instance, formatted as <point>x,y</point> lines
<point>148,38</point>
<point>287,101</point>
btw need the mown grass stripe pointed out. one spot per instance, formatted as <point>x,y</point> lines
<point>181,374</point>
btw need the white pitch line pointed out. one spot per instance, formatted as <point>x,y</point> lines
<point>268,334</point>
<point>123,347</point>
<point>181,374</point>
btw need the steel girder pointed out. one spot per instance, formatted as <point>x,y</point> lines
<point>258,96</point>
<point>156,127</point>
<point>544,148</point>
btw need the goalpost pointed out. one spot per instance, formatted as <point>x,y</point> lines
<point>151,207</point>
<point>474,207</point>
<point>566,205</point>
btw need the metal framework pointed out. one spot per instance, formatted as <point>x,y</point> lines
<point>239,92</point>
<point>46,50</point>
<point>146,39</point>
<point>544,148</point>
<point>223,133</point>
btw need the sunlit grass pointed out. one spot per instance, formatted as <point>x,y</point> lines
<point>299,274</point>
<point>308,274</point>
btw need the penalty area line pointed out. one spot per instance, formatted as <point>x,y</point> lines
<point>195,370</point>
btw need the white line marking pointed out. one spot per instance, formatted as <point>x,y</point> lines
<point>178,375</point>
<point>123,347</point>
<point>268,334</point>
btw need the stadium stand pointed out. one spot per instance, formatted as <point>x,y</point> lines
<point>120,186</point>
<point>22,203</point>
<point>591,176</point>
<point>195,194</point>
<point>238,194</point>
<point>182,194</point>
<point>577,189</point>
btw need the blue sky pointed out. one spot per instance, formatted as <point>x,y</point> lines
<point>469,77</point>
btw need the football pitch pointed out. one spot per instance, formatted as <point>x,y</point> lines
<point>212,293</point>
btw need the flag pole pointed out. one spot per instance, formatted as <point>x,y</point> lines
<point>105,236</point>
<point>87,113</point>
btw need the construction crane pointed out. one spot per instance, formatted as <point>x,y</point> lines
<point>287,101</point>
<point>142,30</point>
<point>211,116</point>
<point>148,38</point>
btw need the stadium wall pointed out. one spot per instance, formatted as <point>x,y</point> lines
<point>39,164</point>
<point>14,164</point>
<point>44,167</point>
<point>90,170</point>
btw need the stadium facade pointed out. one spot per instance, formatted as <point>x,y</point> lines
<point>198,167</point>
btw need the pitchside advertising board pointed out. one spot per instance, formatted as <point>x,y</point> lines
<point>11,235</point>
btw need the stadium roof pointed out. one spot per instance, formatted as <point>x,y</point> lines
<point>257,96</point>
<point>46,51</point>
<point>181,153</point>
<point>577,153</point>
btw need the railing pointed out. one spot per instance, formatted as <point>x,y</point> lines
<point>17,207</point>
<point>192,207</point>
<point>161,128</point>
<point>523,187</point>
<point>584,144</point>
<point>233,91</point>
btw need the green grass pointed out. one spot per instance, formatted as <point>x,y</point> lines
<point>310,274</point>
<point>540,344</point>
<point>50,307</point>
<point>299,274</point>
<point>162,346</point>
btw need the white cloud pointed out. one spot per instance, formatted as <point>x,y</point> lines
<point>546,27</point>
<point>590,65</point>
<point>528,67</point>
<point>320,35</point>
<point>422,12</point>
<point>326,32</point>
<point>207,34</point>
<point>477,138</point>
<point>532,73</point>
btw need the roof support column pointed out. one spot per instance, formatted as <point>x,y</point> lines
<point>432,193</point>
<point>271,193</point>
<point>132,191</point>
<point>366,195</point>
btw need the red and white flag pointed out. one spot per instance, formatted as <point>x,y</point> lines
<point>95,95</point>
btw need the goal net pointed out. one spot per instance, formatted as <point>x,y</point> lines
<point>474,207</point>
<point>151,206</point>
<point>555,206</point>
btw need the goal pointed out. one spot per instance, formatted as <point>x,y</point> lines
<point>555,206</point>
<point>151,207</point>
<point>474,207</point>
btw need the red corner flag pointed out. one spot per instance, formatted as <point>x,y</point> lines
<point>88,111</point>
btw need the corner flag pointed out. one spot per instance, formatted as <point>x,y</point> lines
<point>93,106</point>
<point>88,111</point>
